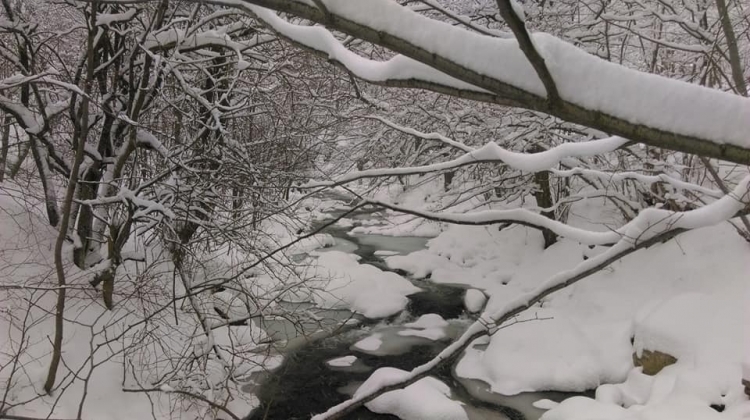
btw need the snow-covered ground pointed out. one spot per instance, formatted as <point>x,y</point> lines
<point>688,298</point>
<point>428,398</point>
<point>115,364</point>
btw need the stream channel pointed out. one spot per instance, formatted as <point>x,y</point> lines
<point>305,384</point>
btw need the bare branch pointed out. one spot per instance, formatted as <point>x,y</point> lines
<point>518,25</point>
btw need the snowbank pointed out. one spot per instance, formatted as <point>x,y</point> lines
<point>342,282</point>
<point>686,297</point>
<point>427,398</point>
<point>474,300</point>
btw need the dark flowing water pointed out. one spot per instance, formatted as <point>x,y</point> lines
<point>305,385</point>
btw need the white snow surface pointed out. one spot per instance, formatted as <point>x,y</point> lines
<point>474,300</point>
<point>369,343</point>
<point>582,335</point>
<point>340,281</point>
<point>428,321</point>
<point>427,398</point>
<point>385,253</point>
<point>429,326</point>
<point>343,361</point>
<point>688,297</point>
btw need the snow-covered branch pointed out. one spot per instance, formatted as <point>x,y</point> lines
<point>659,111</point>
<point>491,152</point>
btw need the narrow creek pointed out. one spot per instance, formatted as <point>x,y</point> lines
<point>305,384</point>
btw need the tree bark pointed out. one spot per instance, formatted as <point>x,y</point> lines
<point>543,196</point>
<point>67,204</point>
<point>738,76</point>
<point>5,145</point>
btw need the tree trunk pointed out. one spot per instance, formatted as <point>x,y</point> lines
<point>5,146</point>
<point>447,179</point>
<point>67,204</point>
<point>738,75</point>
<point>86,191</point>
<point>23,152</point>
<point>50,198</point>
<point>543,195</point>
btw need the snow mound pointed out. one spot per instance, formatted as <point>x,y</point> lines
<point>474,300</point>
<point>428,321</point>
<point>695,326</point>
<point>419,264</point>
<point>342,282</point>
<point>680,391</point>
<point>433,334</point>
<point>427,398</point>
<point>429,326</point>
<point>522,358</point>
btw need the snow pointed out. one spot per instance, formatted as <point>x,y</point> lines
<point>518,10</point>
<point>398,68</point>
<point>345,283</point>
<point>492,152</point>
<point>474,300</point>
<point>590,344</point>
<point>580,338</point>
<point>427,398</point>
<point>680,391</point>
<point>344,361</point>
<point>523,358</point>
<point>428,321</point>
<point>110,18</point>
<point>26,261</point>
<point>320,240</point>
<point>429,326</point>
<point>479,256</point>
<point>370,343</point>
<point>694,326</point>
<point>345,222</point>
<point>433,334</point>
<point>385,253</point>
<point>640,98</point>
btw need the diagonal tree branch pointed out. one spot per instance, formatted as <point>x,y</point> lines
<point>431,70</point>
<point>518,26</point>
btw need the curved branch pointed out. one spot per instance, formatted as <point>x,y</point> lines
<point>491,152</point>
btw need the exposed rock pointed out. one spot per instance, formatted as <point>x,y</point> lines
<point>653,361</point>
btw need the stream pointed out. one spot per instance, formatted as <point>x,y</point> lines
<point>305,384</point>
